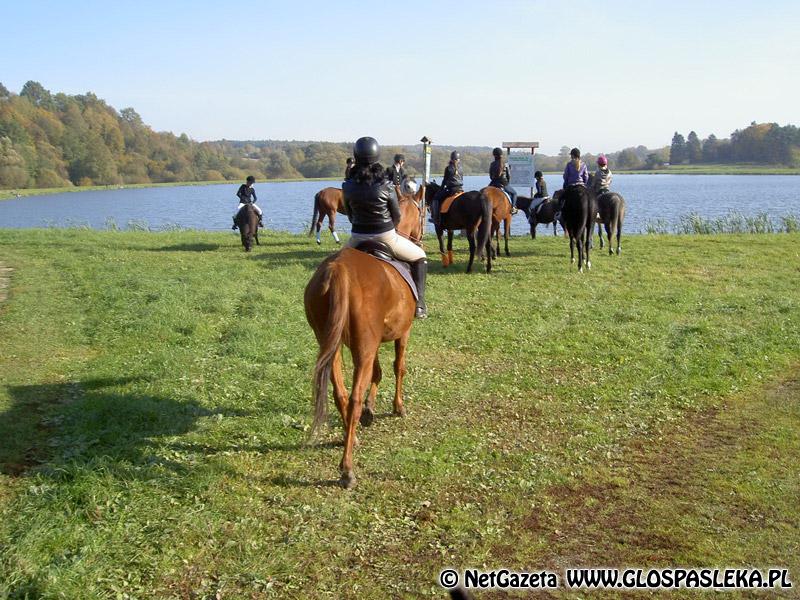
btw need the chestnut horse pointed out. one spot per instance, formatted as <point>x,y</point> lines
<point>359,301</point>
<point>247,222</point>
<point>472,212</point>
<point>501,213</point>
<point>327,202</point>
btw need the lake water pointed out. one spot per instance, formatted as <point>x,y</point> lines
<point>288,206</point>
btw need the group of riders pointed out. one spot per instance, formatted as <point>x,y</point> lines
<point>374,211</point>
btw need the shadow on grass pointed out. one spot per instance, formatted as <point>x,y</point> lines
<point>199,247</point>
<point>90,422</point>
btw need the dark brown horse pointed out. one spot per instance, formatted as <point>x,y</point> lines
<point>610,214</point>
<point>359,301</point>
<point>472,212</point>
<point>327,202</point>
<point>546,212</point>
<point>579,213</point>
<point>247,222</point>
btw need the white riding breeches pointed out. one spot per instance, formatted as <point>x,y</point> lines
<point>402,248</point>
<point>255,206</point>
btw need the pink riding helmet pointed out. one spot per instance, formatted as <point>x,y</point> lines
<point>602,160</point>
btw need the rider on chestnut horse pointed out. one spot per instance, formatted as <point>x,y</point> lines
<point>374,213</point>
<point>500,175</point>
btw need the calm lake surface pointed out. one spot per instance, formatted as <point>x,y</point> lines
<point>288,206</point>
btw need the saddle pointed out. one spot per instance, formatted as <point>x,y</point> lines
<point>376,249</point>
<point>448,202</point>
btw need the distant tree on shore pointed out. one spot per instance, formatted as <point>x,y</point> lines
<point>694,149</point>
<point>677,151</point>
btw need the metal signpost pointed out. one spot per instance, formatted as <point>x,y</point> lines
<point>522,165</point>
<point>426,156</point>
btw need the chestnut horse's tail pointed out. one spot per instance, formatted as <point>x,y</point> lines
<point>337,285</point>
<point>315,213</point>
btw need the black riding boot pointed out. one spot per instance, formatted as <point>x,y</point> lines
<point>419,272</point>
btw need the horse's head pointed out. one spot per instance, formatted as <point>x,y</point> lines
<point>409,186</point>
<point>430,191</point>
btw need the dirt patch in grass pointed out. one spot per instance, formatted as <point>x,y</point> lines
<point>682,499</point>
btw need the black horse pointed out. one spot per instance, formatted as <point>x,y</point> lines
<point>546,212</point>
<point>247,222</point>
<point>472,212</point>
<point>610,214</point>
<point>578,213</point>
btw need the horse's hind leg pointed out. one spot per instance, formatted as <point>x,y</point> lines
<point>472,248</point>
<point>339,390</point>
<point>332,226</point>
<point>399,372</point>
<point>368,414</point>
<point>600,235</point>
<point>507,232</point>
<point>609,230</point>
<point>363,362</point>
<point>449,246</point>
<point>571,248</point>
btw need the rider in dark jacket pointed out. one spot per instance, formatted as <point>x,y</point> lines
<point>452,183</point>
<point>396,173</point>
<point>500,175</point>
<point>375,213</point>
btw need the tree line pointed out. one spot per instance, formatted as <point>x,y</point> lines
<point>760,143</point>
<point>58,140</point>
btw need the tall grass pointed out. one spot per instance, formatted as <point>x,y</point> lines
<point>733,222</point>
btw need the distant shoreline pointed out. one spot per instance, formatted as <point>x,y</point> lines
<point>679,170</point>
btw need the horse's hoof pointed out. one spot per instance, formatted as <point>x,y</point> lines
<point>400,413</point>
<point>619,250</point>
<point>588,264</point>
<point>319,242</point>
<point>347,480</point>
<point>367,417</point>
<point>572,260</point>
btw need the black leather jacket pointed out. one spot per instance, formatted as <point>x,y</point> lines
<point>453,178</point>
<point>499,178</point>
<point>372,208</point>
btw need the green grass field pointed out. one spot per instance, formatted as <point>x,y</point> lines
<point>155,395</point>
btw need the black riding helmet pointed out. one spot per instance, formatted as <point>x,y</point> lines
<point>251,179</point>
<point>538,174</point>
<point>497,152</point>
<point>454,155</point>
<point>366,151</point>
<point>575,153</point>
<point>398,158</point>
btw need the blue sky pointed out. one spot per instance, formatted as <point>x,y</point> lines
<point>596,75</point>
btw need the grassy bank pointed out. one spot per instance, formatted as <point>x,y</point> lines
<point>156,390</point>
